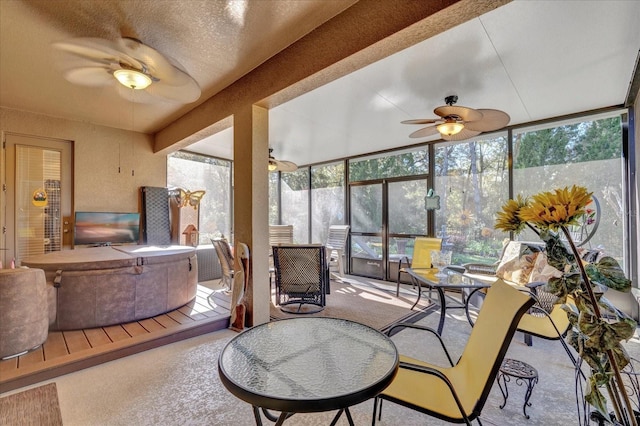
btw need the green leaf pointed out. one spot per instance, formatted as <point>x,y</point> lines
<point>609,273</point>
<point>595,398</point>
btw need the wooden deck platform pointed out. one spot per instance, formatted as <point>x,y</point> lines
<point>68,351</point>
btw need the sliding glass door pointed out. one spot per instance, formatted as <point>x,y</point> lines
<point>385,218</point>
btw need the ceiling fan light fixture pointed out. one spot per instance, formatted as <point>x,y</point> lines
<point>132,79</point>
<point>450,128</point>
<point>272,166</point>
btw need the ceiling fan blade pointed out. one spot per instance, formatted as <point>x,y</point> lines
<point>90,76</point>
<point>421,121</point>
<point>185,93</point>
<point>424,132</point>
<point>466,114</point>
<point>170,81</point>
<point>462,135</point>
<point>91,48</point>
<point>286,166</point>
<point>492,119</point>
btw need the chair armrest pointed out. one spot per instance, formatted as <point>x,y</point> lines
<point>481,268</point>
<point>404,259</point>
<point>458,268</point>
<point>423,328</point>
<point>534,285</point>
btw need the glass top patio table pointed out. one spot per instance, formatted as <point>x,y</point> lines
<point>303,365</point>
<point>451,279</point>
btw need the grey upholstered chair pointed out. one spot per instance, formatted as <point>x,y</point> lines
<point>302,277</point>
<point>24,313</point>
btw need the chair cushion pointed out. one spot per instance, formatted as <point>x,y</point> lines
<point>517,262</point>
<point>542,271</point>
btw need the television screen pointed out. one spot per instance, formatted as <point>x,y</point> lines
<point>99,228</point>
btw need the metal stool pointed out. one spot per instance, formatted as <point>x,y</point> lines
<point>522,372</point>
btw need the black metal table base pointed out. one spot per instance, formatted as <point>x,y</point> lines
<point>522,372</point>
<point>279,420</point>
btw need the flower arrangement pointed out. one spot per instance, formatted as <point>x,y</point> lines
<point>598,327</point>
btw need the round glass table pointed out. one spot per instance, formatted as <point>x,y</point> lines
<point>303,365</point>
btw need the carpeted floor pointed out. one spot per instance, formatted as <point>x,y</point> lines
<point>356,299</point>
<point>178,384</point>
<point>37,406</point>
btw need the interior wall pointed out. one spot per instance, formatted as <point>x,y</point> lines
<point>110,165</point>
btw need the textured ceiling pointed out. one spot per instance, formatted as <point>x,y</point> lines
<point>217,42</point>
<point>532,59</point>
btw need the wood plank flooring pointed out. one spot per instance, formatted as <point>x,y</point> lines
<point>68,351</point>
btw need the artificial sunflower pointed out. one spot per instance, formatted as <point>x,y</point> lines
<point>552,210</point>
<point>466,217</point>
<point>509,218</point>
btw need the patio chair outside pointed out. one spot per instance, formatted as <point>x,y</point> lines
<point>280,234</point>
<point>223,250</point>
<point>421,257</point>
<point>302,277</point>
<point>336,243</point>
<point>458,393</point>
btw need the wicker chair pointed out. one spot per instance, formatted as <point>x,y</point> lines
<point>302,277</point>
<point>223,250</point>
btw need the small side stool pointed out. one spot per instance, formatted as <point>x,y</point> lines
<point>522,372</point>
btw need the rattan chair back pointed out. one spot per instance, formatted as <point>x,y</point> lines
<point>301,277</point>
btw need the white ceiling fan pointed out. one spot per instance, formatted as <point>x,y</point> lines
<point>280,165</point>
<point>457,123</point>
<point>100,62</point>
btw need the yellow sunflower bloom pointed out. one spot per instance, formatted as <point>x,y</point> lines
<point>561,207</point>
<point>509,218</point>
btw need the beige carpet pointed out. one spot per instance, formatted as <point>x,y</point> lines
<point>36,406</point>
<point>367,302</point>
<point>178,385</point>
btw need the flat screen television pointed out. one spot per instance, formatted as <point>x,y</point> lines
<point>106,228</point>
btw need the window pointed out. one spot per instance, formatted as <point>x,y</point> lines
<point>327,199</point>
<point>472,182</point>
<point>194,172</point>
<point>390,164</point>
<point>586,153</point>
<point>294,187</point>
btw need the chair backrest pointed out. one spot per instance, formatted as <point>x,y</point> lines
<point>422,251</point>
<point>488,343</point>
<point>300,269</point>
<point>337,238</point>
<point>547,325</point>
<point>223,250</point>
<point>280,234</point>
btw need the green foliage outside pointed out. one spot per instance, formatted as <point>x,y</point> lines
<point>471,178</point>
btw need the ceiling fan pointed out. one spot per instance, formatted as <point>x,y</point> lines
<point>100,62</point>
<point>279,165</point>
<point>457,123</point>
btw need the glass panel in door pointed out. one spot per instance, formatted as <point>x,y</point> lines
<point>366,230</point>
<point>407,218</point>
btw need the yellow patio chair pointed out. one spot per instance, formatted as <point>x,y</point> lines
<point>458,393</point>
<point>421,258</point>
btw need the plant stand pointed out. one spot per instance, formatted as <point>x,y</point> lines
<point>522,372</point>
